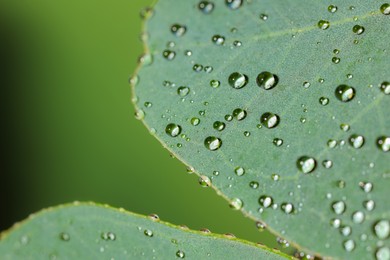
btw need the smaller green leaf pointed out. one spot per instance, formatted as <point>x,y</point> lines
<point>89,231</point>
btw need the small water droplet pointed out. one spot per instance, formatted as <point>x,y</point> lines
<point>336,60</point>
<point>369,205</point>
<point>154,217</point>
<point>239,171</point>
<point>327,164</point>
<point>215,83</point>
<point>332,143</point>
<point>385,87</point>
<point>169,55</point>
<point>212,143</point>
<point>345,93</point>
<point>324,101</point>
<point>148,233</point>
<point>383,143</point>
<point>266,201</point>
<point>237,43</point>
<point>188,53</point>
<point>148,104</point>
<point>183,91</point>
<point>228,118</point>
<point>204,181</point>
<point>237,80</point>
<point>180,254</point>
<point>336,223</point>
<point>267,80</point>
<point>366,186</point>
<point>345,230</point>
<point>219,126</point>
<point>349,245</point>
<point>108,236</point>
<point>206,7</point>
<point>338,207</point>
<point>269,120</point>
<point>306,164</point>
<point>178,29</point>
<point>197,67</point>
<point>64,236</point>
<point>356,141</point>
<point>239,114</point>
<point>277,142</point>
<point>195,121</point>
<point>233,4</point>
<point>218,39</point>
<point>139,114</point>
<point>173,130</point>
<point>382,229</point>
<point>358,217</point>
<point>236,204</point>
<point>261,226</point>
<point>322,24</point>
<point>332,8</point>
<point>288,208</point>
<point>264,17</point>
<point>306,84</point>
<point>345,127</point>
<point>385,9</point>
<point>358,29</point>
<point>254,184</point>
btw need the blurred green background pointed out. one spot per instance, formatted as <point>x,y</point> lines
<point>68,128</point>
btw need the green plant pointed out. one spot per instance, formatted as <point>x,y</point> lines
<point>281,107</point>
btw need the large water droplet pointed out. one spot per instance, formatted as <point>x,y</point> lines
<point>383,143</point>
<point>382,229</point>
<point>366,186</point>
<point>306,164</point>
<point>239,114</point>
<point>267,80</point>
<point>183,91</point>
<point>239,171</point>
<point>269,120</point>
<point>212,143</point>
<point>237,80</point>
<point>385,9</point>
<point>358,217</point>
<point>369,205</point>
<point>206,6</point>
<point>357,141</point>
<point>345,93</point>
<point>173,130</point>
<point>288,208</point>
<point>383,253</point>
<point>338,207</point>
<point>233,4</point>
<point>385,87</point>
<point>265,201</point>
<point>349,245</point>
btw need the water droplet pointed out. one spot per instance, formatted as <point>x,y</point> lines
<point>218,39</point>
<point>385,9</point>
<point>264,17</point>
<point>327,164</point>
<point>336,223</point>
<point>148,104</point>
<point>275,177</point>
<point>228,118</point>
<point>336,60</point>
<point>183,91</point>
<point>349,245</point>
<point>332,8</point>
<point>269,120</point>
<point>358,217</point>
<point>336,51</point>
<point>385,87</point>
<point>188,53</point>
<point>345,93</point>
<point>247,133</point>
<point>306,84</point>
<point>197,68</point>
<point>178,29</point>
<point>236,204</point>
<point>261,226</point>
<point>338,207</point>
<point>322,24</point>
<point>254,184</point>
<point>366,186</point>
<point>358,29</point>
<point>64,236</point>
<point>148,232</point>
<point>324,101</point>
<point>204,181</point>
<point>267,80</point>
<point>383,143</point>
<point>139,114</point>
<point>208,69</point>
<point>332,143</point>
<point>173,130</point>
<point>154,217</point>
<point>345,127</point>
<point>206,7</point>
<point>383,253</point>
<point>239,171</point>
<point>357,141</point>
<point>239,114</point>
<point>215,173</point>
<point>233,4</point>
<point>219,126</point>
<point>237,80</point>
<point>382,229</point>
<point>180,254</point>
<point>349,76</point>
<point>277,142</point>
<point>306,164</point>
<point>169,55</point>
<point>237,44</point>
<point>288,208</point>
<point>145,59</point>
<point>369,205</point>
<point>341,184</point>
<point>212,143</point>
<point>346,230</point>
<point>215,83</point>
<point>146,12</point>
<point>195,121</point>
<point>265,201</point>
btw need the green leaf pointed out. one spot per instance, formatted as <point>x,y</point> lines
<point>283,108</point>
<point>89,231</point>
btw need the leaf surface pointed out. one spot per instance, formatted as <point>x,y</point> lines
<point>88,231</point>
<point>283,108</point>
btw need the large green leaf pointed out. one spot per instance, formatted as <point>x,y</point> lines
<point>302,146</point>
<point>88,231</point>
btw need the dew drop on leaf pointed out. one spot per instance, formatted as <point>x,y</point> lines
<point>178,29</point>
<point>180,254</point>
<point>369,205</point>
<point>383,143</point>
<point>173,130</point>
<point>349,245</point>
<point>148,233</point>
<point>345,93</point>
<point>169,55</point>
<point>212,143</point>
<point>265,201</point>
<point>358,217</point>
<point>206,7</point>
<point>195,121</point>
<point>382,229</point>
<point>269,120</point>
<point>385,87</point>
<point>237,80</point>
<point>239,114</point>
<point>358,29</point>
<point>236,204</point>
<point>322,24</point>
<point>356,141</point>
<point>332,8</point>
<point>239,171</point>
<point>183,91</point>
<point>288,208</point>
<point>218,39</point>
<point>385,9</point>
<point>219,126</point>
<point>233,4</point>
<point>338,207</point>
<point>215,83</point>
<point>267,80</point>
<point>254,184</point>
<point>383,253</point>
<point>204,181</point>
<point>64,236</point>
<point>306,164</point>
